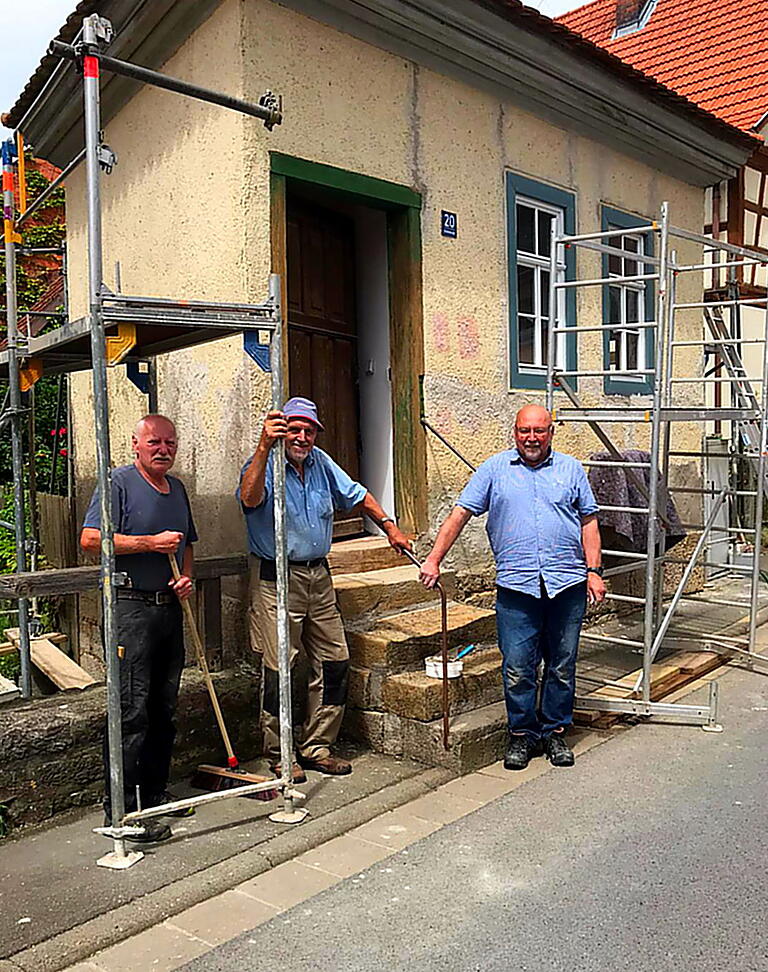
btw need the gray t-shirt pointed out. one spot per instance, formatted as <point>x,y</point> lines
<point>139,509</point>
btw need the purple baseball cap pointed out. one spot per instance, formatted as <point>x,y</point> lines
<point>302,408</point>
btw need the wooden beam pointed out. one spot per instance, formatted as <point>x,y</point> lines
<point>80,580</point>
<point>278,228</point>
<point>407,364</point>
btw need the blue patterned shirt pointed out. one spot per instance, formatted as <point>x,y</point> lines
<point>309,507</point>
<point>534,519</point>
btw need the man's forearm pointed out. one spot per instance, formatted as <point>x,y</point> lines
<point>252,485</point>
<point>90,539</point>
<point>372,508</point>
<point>452,526</point>
<point>590,541</point>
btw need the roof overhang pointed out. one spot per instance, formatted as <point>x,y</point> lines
<point>497,45</point>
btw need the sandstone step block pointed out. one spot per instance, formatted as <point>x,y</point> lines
<point>402,641</point>
<point>361,554</point>
<point>416,696</point>
<point>477,738</point>
<point>368,593</point>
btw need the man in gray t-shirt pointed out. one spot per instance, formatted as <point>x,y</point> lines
<point>152,518</point>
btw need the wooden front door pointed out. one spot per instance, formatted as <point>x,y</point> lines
<point>322,332</point>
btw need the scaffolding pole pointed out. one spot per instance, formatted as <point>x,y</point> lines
<point>15,407</point>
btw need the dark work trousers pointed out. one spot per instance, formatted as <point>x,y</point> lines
<point>152,637</point>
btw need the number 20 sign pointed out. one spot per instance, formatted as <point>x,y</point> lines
<point>448,225</point>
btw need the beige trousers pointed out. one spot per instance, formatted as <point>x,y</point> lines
<point>315,625</point>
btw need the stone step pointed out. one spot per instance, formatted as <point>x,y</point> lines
<point>361,554</point>
<point>402,641</point>
<point>476,739</point>
<point>367,594</point>
<point>415,695</point>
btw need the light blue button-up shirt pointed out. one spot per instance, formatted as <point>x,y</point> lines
<point>534,519</point>
<point>309,507</point>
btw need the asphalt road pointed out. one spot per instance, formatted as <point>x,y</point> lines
<point>649,855</point>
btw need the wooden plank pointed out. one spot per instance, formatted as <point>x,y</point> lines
<point>212,631</point>
<point>80,580</point>
<point>8,691</point>
<point>52,662</point>
<point>57,534</point>
<point>406,343</point>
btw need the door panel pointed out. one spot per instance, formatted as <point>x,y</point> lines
<point>322,331</point>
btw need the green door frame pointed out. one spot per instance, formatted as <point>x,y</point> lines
<point>406,325</point>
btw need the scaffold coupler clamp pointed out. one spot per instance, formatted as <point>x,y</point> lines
<point>119,833</point>
<point>274,104</point>
<point>107,157</point>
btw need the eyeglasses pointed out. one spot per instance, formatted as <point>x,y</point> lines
<point>539,433</point>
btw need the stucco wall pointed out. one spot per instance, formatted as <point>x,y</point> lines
<point>187,214</point>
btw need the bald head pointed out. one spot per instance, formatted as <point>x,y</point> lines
<point>154,444</point>
<point>533,433</point>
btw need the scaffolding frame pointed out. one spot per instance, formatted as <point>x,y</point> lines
<point>107,310</point>
<point>747,411</point>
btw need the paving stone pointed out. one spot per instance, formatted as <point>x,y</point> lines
<point>288,884</point>
<point>159,949</point>
<point>441,807</point>
<point>396,829</point>
<point>479,786</point>
<point>344,856</point>
<point>224,917</point>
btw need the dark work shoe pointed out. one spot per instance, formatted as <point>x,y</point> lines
<point>520,749</point>
<point>297,775</point>
<point>168,797</point>
<point>154,831</point>
<point>558,752</point>
<point>330,765</point>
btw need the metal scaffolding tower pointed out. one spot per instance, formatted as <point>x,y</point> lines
<point>117,326</point>
<point>742,402</point>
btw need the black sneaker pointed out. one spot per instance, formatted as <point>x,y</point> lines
<point>557,750</point>
<point>154,831</point>
<point>168,797</point>
<point>520,749</point>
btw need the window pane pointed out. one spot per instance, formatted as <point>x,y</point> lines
<point>545,231</point>
<point>632,244</point>
<point>614,305</point>
<point>633,306</point>
<point>614,264</point>
<point>525,327</point>
<point>545,341</point>
<point>613,349</point>
<point>525,282</point>
<point>632,339</point>
<point>526,223</point>
<point>544,277</point>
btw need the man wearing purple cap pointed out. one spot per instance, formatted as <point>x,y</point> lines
<point>315,487</point>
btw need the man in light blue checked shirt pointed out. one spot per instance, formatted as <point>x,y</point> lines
<point>542,525</point>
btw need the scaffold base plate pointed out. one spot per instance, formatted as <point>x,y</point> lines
<point>715,728</point>
<point>295,816</point>
<point>120,862</point>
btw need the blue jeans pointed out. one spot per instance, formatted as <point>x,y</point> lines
<point>532,629</point>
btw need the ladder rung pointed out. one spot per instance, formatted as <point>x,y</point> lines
<point>608,373</point>
<point>605,281</point>
<point>606,234</point>
<point>605,327</point>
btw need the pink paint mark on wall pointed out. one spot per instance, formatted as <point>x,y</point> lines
<point>469,338</point>
<point>440,333</point>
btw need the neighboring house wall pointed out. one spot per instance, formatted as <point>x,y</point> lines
<point>187,214</point>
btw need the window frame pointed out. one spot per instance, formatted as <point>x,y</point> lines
<point>522,189</point>
<point>617,219</point>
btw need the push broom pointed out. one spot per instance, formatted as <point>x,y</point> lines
<point>217,778</point>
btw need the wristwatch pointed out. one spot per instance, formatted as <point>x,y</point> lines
<point>387,519</point>
<point>596,570</point>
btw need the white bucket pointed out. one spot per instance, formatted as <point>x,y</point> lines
<point>433,667</point>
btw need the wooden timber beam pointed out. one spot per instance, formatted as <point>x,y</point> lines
<point>79,580</point>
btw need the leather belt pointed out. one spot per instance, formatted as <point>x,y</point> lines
<point>268,568</point>
<point>148,597</point>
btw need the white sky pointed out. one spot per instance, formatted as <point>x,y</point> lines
<point>29,25</point>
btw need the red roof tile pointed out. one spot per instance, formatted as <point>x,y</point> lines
<point>714,52</point>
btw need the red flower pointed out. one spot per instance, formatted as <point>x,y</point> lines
<point>53,431</point>
<point>62,452</point>
<point>62,431</point>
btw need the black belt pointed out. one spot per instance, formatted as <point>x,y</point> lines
<point>268,568</point>
<point>148,597</point>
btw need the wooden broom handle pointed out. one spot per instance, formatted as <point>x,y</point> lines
<point>200,651</point>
